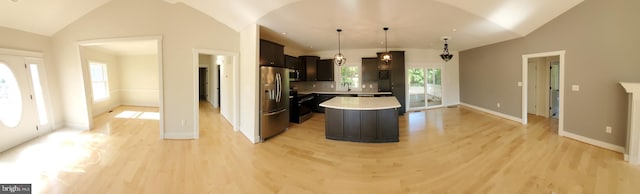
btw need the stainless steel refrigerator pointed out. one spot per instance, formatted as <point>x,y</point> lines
<point>274,101</point>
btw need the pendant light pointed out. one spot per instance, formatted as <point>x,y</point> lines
<point>446,56</point>
<point>386,56</point>
<point>339,59</point>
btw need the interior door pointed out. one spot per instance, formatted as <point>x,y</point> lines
<point>554,90</point>
<point>18,120</point>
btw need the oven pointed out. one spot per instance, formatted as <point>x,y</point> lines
<point>301,106</point>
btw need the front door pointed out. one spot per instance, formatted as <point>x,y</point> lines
<point>18,118</point>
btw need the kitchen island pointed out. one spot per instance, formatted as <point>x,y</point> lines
<point>362,119</point>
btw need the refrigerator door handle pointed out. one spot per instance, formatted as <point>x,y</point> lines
<point>275,113</point>
<point>277,87</point>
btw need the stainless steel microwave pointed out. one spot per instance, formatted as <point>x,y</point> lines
<point>295,75</point>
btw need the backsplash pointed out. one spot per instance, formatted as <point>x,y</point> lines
<point>326,86</point>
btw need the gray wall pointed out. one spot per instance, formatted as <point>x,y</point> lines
<point>602,43</point>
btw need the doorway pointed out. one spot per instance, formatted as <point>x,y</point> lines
<point>425,87</point>
<point>203,75</point>
<point>222,88</point>
<point>542,87</point>
<point>123,72</point>
<point>23,97</point>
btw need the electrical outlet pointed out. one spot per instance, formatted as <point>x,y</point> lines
<point>315,85</point>
<point>519,84</point>
<point>370,85</point>
<point>498,105</point>
<point>364,86</point>
<point>575,88</point>
<point>608,129</point>
<point>183,122</point>
<point>331,86</point>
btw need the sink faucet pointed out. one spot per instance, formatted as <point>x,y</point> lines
<point>348,87</point>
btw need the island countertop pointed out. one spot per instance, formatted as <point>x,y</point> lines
<point>362,103</point>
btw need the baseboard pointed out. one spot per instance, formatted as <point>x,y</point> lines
<point>626,157</point>
<point>81,126</point>
<point>179,135</point>
<point>594,142</point>
<point>516,119</point>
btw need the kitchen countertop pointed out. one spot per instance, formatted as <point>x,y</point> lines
<point>345,92</point>
<point>362,103</point>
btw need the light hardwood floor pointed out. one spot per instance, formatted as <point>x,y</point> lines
<point>448,150</point>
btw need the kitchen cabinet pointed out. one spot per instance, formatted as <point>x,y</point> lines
<point>298,70</point>
<point>362,125</point>
<point>325,70</point>
<point>291,62</point>
<point>370,69</point>
<point>271,54</point>
<point>396,77</point>
<point>320,98</point>
<point>310,64</point>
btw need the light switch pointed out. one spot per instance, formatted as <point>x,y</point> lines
<point>575,88</point>
<point>519,84</point>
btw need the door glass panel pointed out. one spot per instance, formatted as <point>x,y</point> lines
<point>10,98</point>
<point>416,88</point>
<point>434,87</point>
<point>38,95</point>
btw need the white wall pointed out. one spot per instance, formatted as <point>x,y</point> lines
<point>113,72</point>
<point>226,89</point>
<point>413,58</point>
<point>16,39</point>
<point>139,80</point>
<point>249,110</point>
<point>182,29</point>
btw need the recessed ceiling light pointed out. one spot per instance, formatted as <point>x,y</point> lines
<point>284,33</point>
<point>15,1</point>
<point>455,30</point>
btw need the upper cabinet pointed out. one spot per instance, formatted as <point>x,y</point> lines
<point>311,65</point>
<point>370,69</point>
<point>271,54</point>
<point>325,70</point>
<point>298,70</point>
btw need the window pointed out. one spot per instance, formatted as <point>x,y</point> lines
<point>10,98</point>
<point>37,93</point>
<point>349,77</point>
<point>99,82</point>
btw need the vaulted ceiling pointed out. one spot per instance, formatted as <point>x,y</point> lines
<point>309,25</point>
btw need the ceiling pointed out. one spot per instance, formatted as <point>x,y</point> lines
<point>128,48</point>
<point>310,24</point>
<point>45,17</point>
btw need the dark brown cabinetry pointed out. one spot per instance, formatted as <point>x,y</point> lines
<point>370,69</point>
<point>271,54</point>
<point>325,70</point>
<point>320,98</point>
<point>362,125</point>
<point>311,67</point>
<point>298,71</point>
<point>396,78</point>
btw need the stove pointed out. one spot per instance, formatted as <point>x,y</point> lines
<point>300,106</point>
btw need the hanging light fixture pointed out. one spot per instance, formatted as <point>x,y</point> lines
<point>339,59</point>
<point>446,56</point>
<point>386,56</point>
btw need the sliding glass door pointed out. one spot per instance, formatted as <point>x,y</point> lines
<point>425,87</point>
